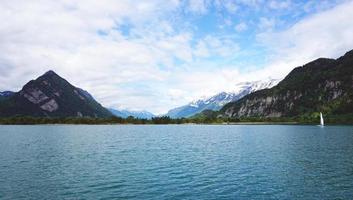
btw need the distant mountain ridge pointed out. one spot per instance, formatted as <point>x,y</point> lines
<point>323,85</point>
<point>6,93</point>
<point>127,113</point>
<point>217,101</point>
<point>51,96</point>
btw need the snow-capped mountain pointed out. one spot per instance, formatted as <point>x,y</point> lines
<point>127,113</point>
<point>217,101</point>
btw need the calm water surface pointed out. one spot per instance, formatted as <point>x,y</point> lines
<point>176,162</point>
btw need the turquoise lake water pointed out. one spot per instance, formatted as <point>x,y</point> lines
<point>176,162</point>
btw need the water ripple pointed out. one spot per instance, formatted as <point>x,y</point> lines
<point>176,162</point>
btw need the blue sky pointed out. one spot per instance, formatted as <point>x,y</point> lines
<point>155,55</point>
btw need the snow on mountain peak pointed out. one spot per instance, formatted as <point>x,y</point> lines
<point>254,85</point>
<point>215,102</point>
<point>239,90</point>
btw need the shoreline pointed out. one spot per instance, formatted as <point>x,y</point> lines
<point>197,124</point>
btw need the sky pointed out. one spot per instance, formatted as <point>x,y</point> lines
<point>155,55</point>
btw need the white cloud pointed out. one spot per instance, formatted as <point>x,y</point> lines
<point>64,36</point>
<point>198,6</point>
<point>84,43</point>
<point>230,5</point>
<point>322,5</point>
<point>216,46</point>
<point>241,27</point>
<point>267,23</point>
<point>195,84</point>
<point>326,34</point>
<point>275,4</point>
<point>127,53</point>
<point>252,3</point>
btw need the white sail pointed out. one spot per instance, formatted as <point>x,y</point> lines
<point>321,120</point>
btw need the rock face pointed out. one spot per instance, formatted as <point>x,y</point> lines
<point>51,96</point>
<point>322,85</point>
<point>217,101</point>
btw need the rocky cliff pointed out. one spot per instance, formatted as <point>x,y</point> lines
<point>51,96</point>
<point>324,85</point>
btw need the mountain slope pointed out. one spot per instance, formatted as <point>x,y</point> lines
<point>5,95</point>
<point>217,101</point>
<point>322,85</point>
<point>51,96</point>
<point>127,113</point>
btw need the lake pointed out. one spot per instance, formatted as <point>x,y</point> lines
<point>176,162</point>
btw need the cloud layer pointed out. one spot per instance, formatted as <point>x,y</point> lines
<point>155,55</point>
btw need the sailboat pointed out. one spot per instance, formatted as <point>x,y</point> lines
<point>321,120</point>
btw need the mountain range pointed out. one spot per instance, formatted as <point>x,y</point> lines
<point>127,113</point>
<point>51,96</point>
<point>217,101</point>
<point>323,85</point>
<point>6,93</point>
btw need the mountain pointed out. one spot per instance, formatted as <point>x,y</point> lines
<point>51,96</point>
<point>324,85</point>
<point>127,113</point>
<point>6,94</point>
<point>217,101</point>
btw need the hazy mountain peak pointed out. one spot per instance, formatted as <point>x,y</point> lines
<point>124,113</point>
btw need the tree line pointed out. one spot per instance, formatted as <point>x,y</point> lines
<point>199,119</point>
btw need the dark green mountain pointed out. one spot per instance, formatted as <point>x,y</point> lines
<point>324,85</point>
<point>51,96</point>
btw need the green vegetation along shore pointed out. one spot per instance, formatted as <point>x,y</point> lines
<point>200,119</point>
